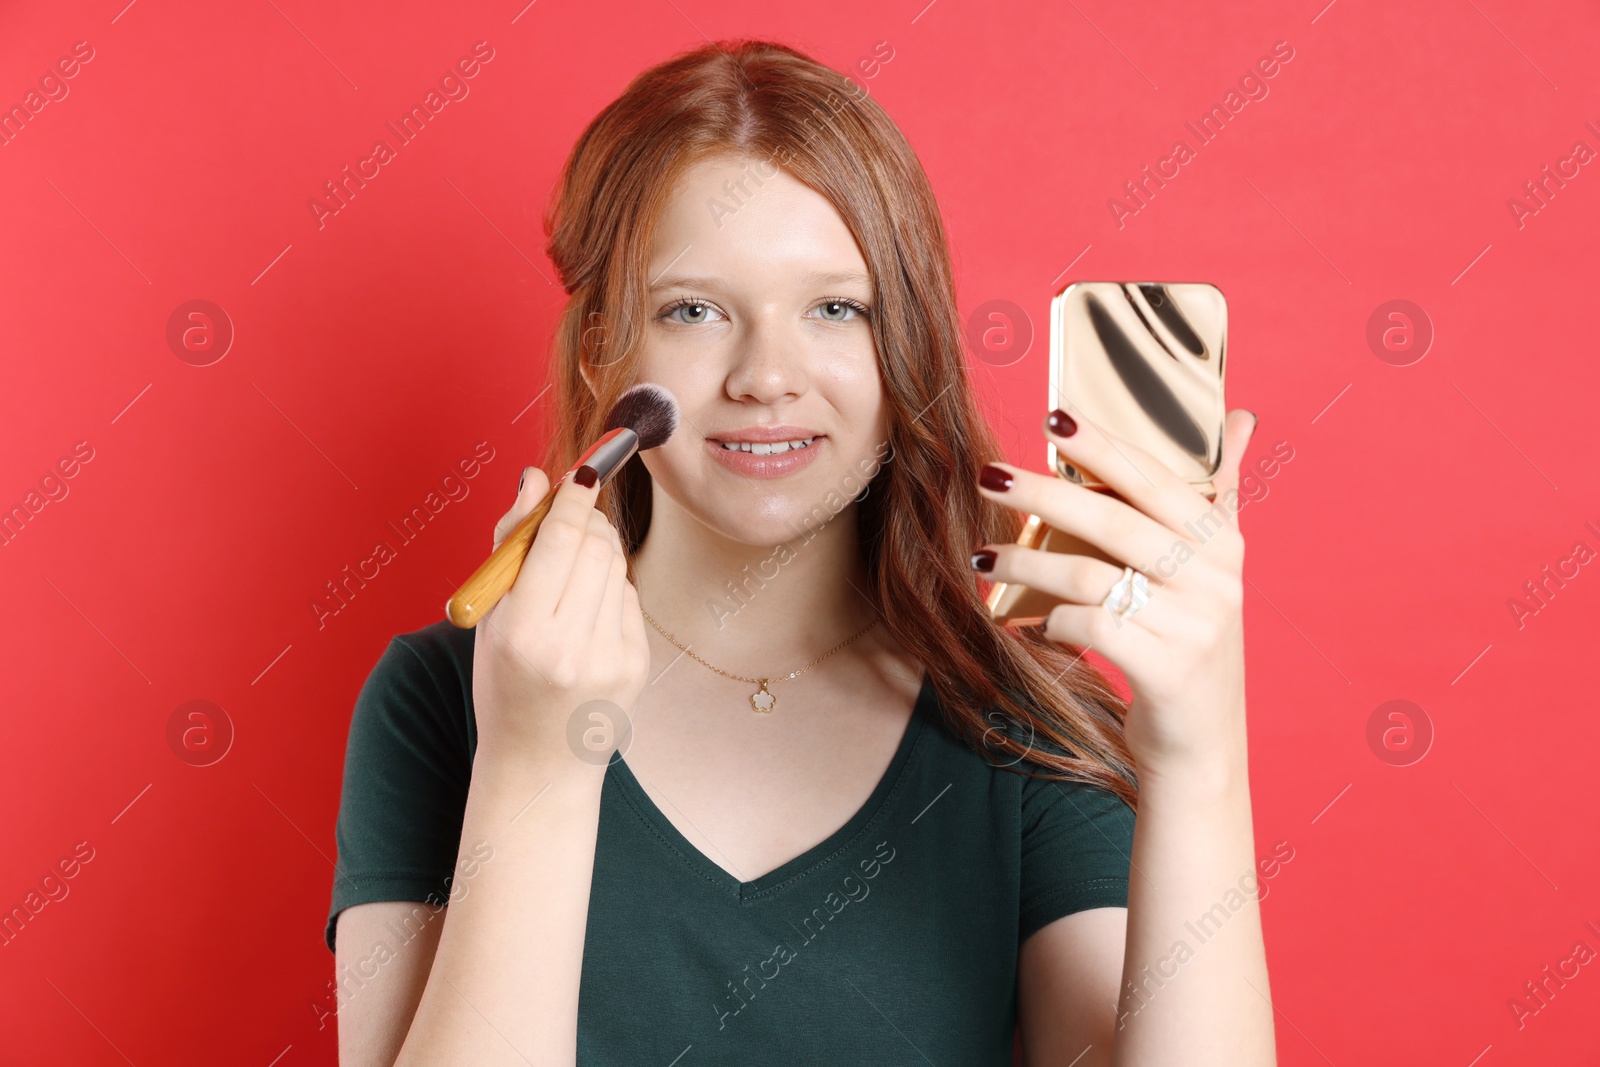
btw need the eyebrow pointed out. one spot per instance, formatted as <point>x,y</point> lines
<point>711,281</point>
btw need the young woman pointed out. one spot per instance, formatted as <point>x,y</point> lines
<point>739,771</point>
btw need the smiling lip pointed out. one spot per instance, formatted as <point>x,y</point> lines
<point>780,465</point>
<point>765,433</point>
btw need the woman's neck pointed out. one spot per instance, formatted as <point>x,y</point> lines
<point>753,610</point>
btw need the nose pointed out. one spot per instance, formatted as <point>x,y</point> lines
<point>770,362</point>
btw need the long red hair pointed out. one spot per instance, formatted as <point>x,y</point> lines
<point>1016,697</point>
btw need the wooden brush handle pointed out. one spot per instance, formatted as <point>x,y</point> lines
<point>481,592</point>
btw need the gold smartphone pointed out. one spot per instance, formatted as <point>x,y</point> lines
<point>1142,361</point>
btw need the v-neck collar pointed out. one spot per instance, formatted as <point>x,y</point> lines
<point>809,860</point>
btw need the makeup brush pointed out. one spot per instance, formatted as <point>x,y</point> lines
<point>643,417</point>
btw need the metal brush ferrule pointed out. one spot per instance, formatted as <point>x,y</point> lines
<point>606,456</point>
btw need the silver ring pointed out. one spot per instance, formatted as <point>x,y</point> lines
<point>1131,593</point>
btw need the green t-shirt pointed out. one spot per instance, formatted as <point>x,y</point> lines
<point>894,941</point>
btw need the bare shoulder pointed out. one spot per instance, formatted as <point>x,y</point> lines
<point>383,952</point>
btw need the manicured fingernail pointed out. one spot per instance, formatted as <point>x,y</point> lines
<point>522,480</point>
<point>586,476</point>
<point>1061,424</point>
<point>1253,415</point>
<point>983,560</point>
<point>994,478</point>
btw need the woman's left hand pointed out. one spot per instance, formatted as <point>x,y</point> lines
<point>1183,651</point>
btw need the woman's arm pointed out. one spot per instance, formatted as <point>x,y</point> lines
<point>1188,948</point>
<point>380,983</point>
<point>466,983</point>
<point>1067,975</point>
<point>500,985</point>
<point>503,984</point>
<point>1193,977</point>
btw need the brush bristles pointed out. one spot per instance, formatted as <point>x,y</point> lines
<point>649,411</point>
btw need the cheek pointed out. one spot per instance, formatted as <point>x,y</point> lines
<point>852,381</point>
<point>861,405</point>
<point>693,375</point>
<point>673,461</point>
<point>849,355</point>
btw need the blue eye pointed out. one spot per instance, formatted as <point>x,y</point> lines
<point>700,308</point>
<point>693,311</point>
<point>840,306</point>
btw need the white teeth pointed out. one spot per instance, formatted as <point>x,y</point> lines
<point>763,448</point>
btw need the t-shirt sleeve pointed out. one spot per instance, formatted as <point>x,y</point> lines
<point>1077,844</point>
<point>406,772</point>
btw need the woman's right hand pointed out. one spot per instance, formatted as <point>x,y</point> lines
<point>569,631</point>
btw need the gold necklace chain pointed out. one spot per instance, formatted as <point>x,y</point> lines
<point>762,700</point>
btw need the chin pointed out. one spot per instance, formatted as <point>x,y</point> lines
<point>762,510</point>
<point>771,516</point>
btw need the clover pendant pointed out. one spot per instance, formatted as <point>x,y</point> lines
<point>762,699</point>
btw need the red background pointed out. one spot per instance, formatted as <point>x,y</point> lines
<point>373,353</point>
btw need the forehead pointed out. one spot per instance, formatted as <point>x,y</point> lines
<point>744,218</point>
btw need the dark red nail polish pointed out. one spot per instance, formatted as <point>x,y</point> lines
<point>1061,424</point>
<point>523,480</point>
<point>983,560</point>
<point>586,476</point>
<point>994,478</point>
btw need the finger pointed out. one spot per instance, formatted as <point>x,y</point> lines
<point>579,606</point>
<point>1120,640</point>
<point>550,559</point>
<point>1131,471</point>
<point>1237,434</point>
<point>608,622</point>
<point>534,485</point>
<point>1078,579</point>
<point>616,537</point>
<point>611,619</point>
<point>1124,532</point>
